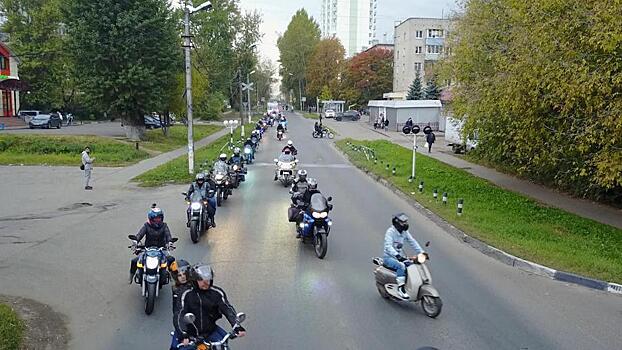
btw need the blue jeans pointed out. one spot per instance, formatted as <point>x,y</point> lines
<point>212,202</point>
<point>399,267</point>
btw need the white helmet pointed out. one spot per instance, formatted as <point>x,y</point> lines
<point>222,156</point>
<point>290,143</point>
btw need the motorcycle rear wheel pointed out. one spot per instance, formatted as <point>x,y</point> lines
<point>431,306</point>
<point>150,298</point>
<point>315,135</point>
<point>194,231</point>
<point>321,245</point>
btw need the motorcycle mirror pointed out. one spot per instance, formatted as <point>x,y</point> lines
<point>427,244</point>
<point>329,198</point>
<point>276,160</point>
<point>174,240</point>
<point>132,237</point>
<point>185,194</point>
<point>241,317</point>
<point>296,161</point>
<point>189,318</point>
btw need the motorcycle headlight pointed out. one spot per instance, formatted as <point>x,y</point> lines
<point>247,150</point>
<point>235,167</point>
<point>195,206</point>
<point>421,258</point>
<point>302,225</point>
<point>321,215</point>
<point>219,177</point>
<point>152,262</point>
<point>330,223</point>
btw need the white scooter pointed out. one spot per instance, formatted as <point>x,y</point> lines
<point>418,284</point>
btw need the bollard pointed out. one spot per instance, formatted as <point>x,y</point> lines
<point>137,146</point>
<point>445,198</point>
<point>435,194</point>
<point>393,172</point>
<point>387,167</point>
<point>421,187</point>
<point>460,206</point>
<point>410,179</point>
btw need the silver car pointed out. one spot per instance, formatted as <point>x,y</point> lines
<point>45,121</point>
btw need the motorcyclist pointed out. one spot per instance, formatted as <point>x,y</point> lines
<point>156,234</point>
<point>180,271</point>
<point>203,184</point>
<point>285,157</point>
<point>208,303</point>
<point>300,184</point>
<point>237,157</point>
<point>303,200</point>
<point>280,128</point>
<point>290,147</point>
<point>221,163</point>
<point>318,128</point>
<point>394,256</point>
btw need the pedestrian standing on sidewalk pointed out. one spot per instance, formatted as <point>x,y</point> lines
<point>87,165</point>
<point>430,138</point>
<point>409,123</point>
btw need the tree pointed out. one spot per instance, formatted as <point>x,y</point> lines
<point>296,46</point>
<point>539,81</point>
<point>245,56</point>
<point>324,67</point>
<point>432,92</point>
<point>414,91</point>
<point>37,37</point>
<point>367,76</point>
<point>263,79</point>
<point>325,95</point>
<point>126,54</point>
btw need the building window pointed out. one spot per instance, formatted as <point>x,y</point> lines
<point>418,66</point>
<point>419,34</point>
<point>434,49</point>
<point>418,49</point>
<point>3,63</point>
<point>435,33</point>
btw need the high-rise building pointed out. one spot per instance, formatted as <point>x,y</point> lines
<point>419,43</point>
<point>353,22</point>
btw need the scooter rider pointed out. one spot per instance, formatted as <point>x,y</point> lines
<point>394,256</point>
<point>180,271</point>
<point>156,234</point>
<point>280,128</point>
<point>290,147</point>
<point>208,303</point>
<point>203,184</point>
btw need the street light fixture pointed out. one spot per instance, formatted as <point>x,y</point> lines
<point>188,10</point>
<point>231,124</point>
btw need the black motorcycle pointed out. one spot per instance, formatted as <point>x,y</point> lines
<point>223,185</point>
<point>199,216</point>
<point>152,270</point>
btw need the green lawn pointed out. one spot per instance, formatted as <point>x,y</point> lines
<point>66,150</point>
<point>504,219</point>
<point>11,329</point>
<point>310,115</point>
<point>178,137</point>
<point>176,171</point>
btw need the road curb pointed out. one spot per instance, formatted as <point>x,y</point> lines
<point>489,250</point>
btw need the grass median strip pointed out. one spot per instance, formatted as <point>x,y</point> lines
<point>310,115</point>
<point>176,171</point>
<point>501,218</point>
<point>11,329</point>
<point>66,150</point>
<point>177,137</point>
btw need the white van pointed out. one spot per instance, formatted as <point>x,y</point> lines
<point>453,136</point>
<point>28,115</point>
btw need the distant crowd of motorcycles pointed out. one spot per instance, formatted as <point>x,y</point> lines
<point>197,303</point>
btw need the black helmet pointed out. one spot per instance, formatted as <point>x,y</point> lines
<point>400,222</point>
<point>236,151</point>
<point>180,268</point>
<point>312,183</point>
<point>202,272</point>
<point>302,174</point>
<point>200,178</point>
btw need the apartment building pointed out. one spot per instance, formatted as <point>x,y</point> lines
<point>353,22</point>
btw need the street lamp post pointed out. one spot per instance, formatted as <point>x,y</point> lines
<point>188,10</point>
<point>231,124</point>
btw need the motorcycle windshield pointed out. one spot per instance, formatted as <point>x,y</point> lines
<point>286,158</point>
<point>221,168</point>
<point>319,203</point>
<point>196,196</point>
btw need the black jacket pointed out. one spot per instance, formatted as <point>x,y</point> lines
<point>430,138</point>
<point>178,291</point>
<point>306,197</point>
<point>291,149</point>
<point>208,306</point>
<point>154,237</point>
<point>280,127</point>
<point>208,185</point>
<point>300,186</point>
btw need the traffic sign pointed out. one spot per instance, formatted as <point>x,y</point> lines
<point>247,86</point>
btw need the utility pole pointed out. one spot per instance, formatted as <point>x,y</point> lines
<point>248,95</point>
<point>188,88</point>
<point>240,109</point>
<point>300,92</point>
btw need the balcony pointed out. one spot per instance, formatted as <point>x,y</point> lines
<point>432,56</point>
<point>435,41</point>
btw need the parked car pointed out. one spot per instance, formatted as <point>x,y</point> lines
<point>329,113</point>
<point>28,115</point>
<point>152,122</point>
<point>351,114</point>
<point>45,121</point>
<point>455,139</point>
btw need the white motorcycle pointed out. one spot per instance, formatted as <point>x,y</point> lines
<point>285,170</point>
<point>418,284</point>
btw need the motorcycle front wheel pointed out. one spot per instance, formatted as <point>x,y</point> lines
<point>219,197</point>
<point>194,231</point>
<point>321,245</point>
<point>150,298</point>
<point>431,306</point>
<point>331,135</point>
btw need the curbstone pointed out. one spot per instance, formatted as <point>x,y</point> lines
<point>489,250</point>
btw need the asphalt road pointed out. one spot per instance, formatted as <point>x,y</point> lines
<point>74,257</point>
<point>110,129</point>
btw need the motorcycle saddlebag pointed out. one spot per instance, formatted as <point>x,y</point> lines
<point>293,214</point>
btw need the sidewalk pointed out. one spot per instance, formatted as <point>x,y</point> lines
<point>585,208</point>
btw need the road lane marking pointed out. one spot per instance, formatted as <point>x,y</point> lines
<point>305,165</point>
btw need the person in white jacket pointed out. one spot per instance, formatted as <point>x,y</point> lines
<point>394,256</point>
<point>87,162</point>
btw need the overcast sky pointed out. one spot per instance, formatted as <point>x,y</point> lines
<point>278,13</point>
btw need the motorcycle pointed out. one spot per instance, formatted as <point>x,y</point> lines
<point>315,225</point>
<point>279,135</point>
<point>418,284</point>
<point>151,270</point>
<point>285,169</point>
<point>223,187</point>
<point>199,217</point>
<point>248,154</point>
<point>324,133</point>
<point>237,172</point>
<point>199,343</point>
